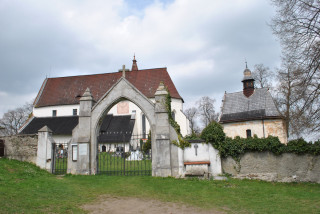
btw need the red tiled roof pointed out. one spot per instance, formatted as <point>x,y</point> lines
<point>66,90</point>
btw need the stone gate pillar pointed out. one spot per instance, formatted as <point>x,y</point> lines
<point>44,151</point>
<point>161,151</point>
<point>81,137</point>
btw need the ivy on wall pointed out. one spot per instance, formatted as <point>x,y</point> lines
<point>182,143</point>
<point>236,147</point>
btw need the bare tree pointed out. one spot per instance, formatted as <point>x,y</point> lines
<point>14,119</point>
<point>297,25</point>
<point>191,114</point>
<point>262,75</point>
<point>288,97</point>
<point>206,110</point>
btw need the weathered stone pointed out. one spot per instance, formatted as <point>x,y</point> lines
<point>44,151</point>
<point>21,147</point>
<point>287,167</point>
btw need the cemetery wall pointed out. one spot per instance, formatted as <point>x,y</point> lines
<point>287,167</point>
<point>21,147</point>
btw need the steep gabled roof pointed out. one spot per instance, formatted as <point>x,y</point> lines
<point>238,107</point>
<point>67,90</point>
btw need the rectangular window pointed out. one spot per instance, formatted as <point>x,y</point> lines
<point>74,152</point>
<point>248,133</point>
<point>54,113</point>
<point>75,112</point>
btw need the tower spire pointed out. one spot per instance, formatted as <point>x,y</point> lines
<point>134,64</point>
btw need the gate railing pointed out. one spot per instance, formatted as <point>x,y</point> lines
<point>60,158</point>
<point>125,158</point>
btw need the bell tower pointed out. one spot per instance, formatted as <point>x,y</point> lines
<point>248,82</point>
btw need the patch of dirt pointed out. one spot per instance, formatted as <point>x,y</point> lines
<point>127,205</point>
<point>11,170</point>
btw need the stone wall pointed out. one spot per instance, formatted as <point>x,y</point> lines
<point>287,167</point>
<point>21,147</point>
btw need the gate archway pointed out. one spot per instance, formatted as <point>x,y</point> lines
<point>122,90</point>
<point>123,147</point>
<point>165,156</point>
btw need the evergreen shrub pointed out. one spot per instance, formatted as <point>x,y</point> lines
<point>236,147</point>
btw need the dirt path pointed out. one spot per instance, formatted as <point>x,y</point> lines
<point>128,205</point>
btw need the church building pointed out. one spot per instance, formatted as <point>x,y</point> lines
<point>57,104</point>
<point>251,112</point>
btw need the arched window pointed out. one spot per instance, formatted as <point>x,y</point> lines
<point>248,131</point>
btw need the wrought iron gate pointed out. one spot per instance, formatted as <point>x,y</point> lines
<point>124,158</point>
<point>60,158</point>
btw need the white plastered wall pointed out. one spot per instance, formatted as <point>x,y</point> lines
<point>61,138</point>
<point>261,128</point>
<point>176,106</point>
<point>67,110</point>
<point>62,110</point>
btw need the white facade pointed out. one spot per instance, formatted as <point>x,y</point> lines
<point>62,110</point>
<point>121,108</point>
<point>261,128</point>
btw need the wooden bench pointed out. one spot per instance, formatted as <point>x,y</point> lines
<point>197,163</point>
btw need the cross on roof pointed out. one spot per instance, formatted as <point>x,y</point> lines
<point>123,70</point>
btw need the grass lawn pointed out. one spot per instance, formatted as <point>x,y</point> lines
<point>24,188</point>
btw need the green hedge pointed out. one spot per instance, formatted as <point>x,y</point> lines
<point>236,147</point>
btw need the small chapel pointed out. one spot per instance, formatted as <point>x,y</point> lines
<point>250,112</point>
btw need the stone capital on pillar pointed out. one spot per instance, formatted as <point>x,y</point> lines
<point>161,90</point>
<point>160,98</point>
<point>45,129</point>
<point>86,103</point>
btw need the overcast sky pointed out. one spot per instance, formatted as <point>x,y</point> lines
<point>203,43</point>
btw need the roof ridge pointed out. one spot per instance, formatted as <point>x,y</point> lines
<point>242,91</point>
<point>83,75</point>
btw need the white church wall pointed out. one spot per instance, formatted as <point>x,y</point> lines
<point>62,110</point>
<point>261,128</point>
<point>239,128</point>
<point>67,110</point>
<point>132,109</point>
<point>180,117</point>
<point>61,138</point>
